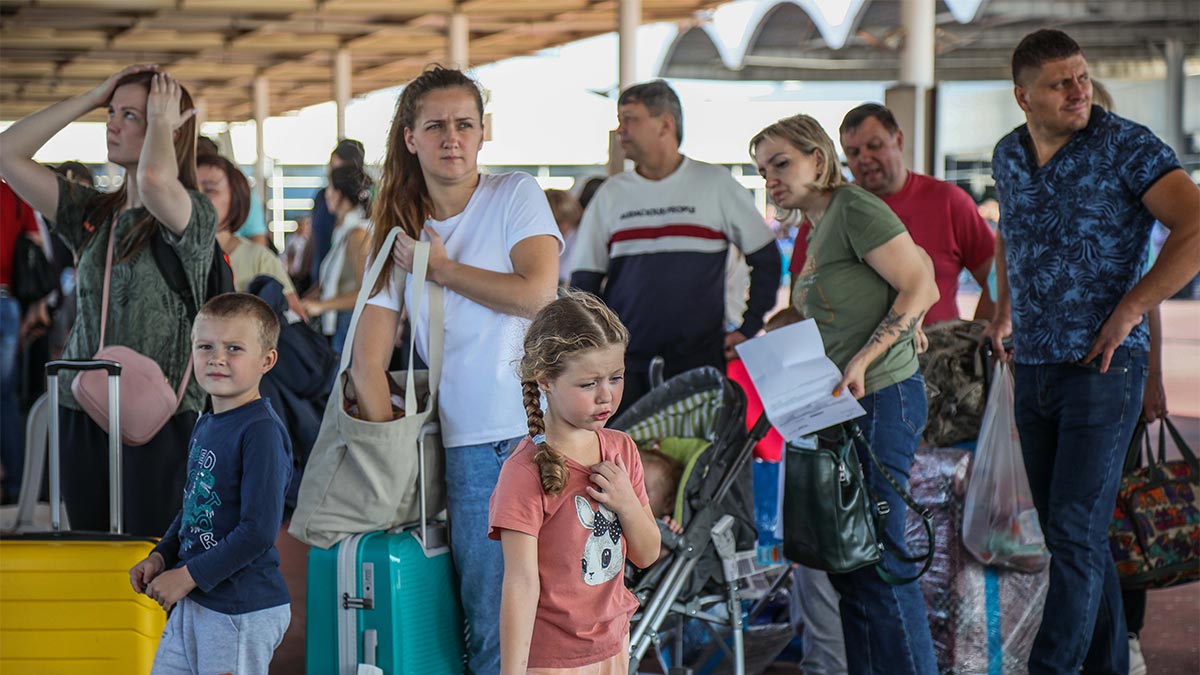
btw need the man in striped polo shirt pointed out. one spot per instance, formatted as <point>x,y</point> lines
<point>653,244</point>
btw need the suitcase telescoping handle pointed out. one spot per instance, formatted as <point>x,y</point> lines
<point>115,510</point>
<point>439,541</point>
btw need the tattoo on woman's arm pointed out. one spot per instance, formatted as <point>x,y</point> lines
<point>893,325</point>
<point>888,327</point>
<point>913,323</point>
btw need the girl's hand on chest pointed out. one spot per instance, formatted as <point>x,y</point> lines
<point>612,487</point>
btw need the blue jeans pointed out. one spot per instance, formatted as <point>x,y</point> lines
<point>886,627</point>
<point>1075,424</point>
<point>12,423</point>
<point>342,330</point>
<point>471,475</point>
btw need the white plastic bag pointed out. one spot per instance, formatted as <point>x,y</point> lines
<point>1000,522</point>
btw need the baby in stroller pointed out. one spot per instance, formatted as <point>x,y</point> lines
<point>662,480</point>
<point>662,475</point>
<point>697,421</point>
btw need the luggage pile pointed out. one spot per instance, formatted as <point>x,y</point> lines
<point>954,382</point>
<point>983,619</point>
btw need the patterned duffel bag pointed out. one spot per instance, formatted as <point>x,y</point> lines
<point>1155,533</point>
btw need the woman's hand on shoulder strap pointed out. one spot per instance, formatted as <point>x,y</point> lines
<point>403,251</point>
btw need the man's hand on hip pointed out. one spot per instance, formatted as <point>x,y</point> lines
<point>1111,335</point>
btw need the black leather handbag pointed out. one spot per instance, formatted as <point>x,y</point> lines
<point>831,519</point>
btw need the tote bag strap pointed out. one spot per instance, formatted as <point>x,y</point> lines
<point>112,237</point>
<point>437,328</point>
<point>436,325</point>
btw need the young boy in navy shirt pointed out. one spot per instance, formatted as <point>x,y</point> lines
<point>217,565</point>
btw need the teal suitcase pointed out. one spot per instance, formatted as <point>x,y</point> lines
<point>386,603</point>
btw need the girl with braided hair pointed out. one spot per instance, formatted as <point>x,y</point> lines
<point>570,506</point>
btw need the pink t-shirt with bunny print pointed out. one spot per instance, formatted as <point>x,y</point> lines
<point>584,608</point>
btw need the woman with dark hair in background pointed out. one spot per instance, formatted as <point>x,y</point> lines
<point>348,198</point>
<point>151,134</point>
<point>347,152</point>
<point>227,188</point>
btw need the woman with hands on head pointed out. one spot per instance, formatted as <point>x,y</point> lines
<point>494,246</point>
<point>151,134</point>
<point>868,286</point>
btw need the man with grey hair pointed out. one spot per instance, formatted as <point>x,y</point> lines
<point>653,244</point>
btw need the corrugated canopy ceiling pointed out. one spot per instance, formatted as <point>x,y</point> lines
<point>783,41</point>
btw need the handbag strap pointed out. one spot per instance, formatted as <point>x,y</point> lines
<point>436,320</point>
<point>108,258</point>
<point>1133,455</point>
<point>926,517</point>
<point>112,237</point>
<point>1166,426</point>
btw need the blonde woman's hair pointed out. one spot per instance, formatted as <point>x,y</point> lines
<point>574,323</point>
<point>806,135</point>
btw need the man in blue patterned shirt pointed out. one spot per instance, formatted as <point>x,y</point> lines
<point>1079,190</point>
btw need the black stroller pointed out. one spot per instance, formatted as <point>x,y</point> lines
<point>715,506</point>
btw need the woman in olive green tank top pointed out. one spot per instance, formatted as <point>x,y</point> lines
<point>868,286</point>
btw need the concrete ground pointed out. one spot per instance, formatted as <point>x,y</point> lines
<point>1171,637</point>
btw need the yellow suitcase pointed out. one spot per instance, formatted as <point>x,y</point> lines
<point>66,606</point>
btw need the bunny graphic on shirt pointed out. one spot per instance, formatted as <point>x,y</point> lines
<point>602,555</point>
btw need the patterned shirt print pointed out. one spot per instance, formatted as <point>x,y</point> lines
<point>144,314</point>
<point>200,499</point>
<point>1076,232</point>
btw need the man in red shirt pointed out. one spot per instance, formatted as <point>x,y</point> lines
<point>16,219</point>
<point>941,217</point>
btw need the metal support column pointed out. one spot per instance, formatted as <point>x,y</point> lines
<point>916,71</point>
<point>1173,52</point>
<point>341,87</point>
<point>629,16</point>
<point>262,97</point>
<point>200,103</point>
<point>458,40</point>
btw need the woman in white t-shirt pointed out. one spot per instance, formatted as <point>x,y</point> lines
<point>494,247</point>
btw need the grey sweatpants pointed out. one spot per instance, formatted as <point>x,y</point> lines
<point>199,641</point>
<point>823,646</point>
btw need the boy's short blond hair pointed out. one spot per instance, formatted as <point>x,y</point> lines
<point>232,305</point>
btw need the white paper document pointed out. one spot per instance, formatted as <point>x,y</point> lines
<point>795,380</point>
